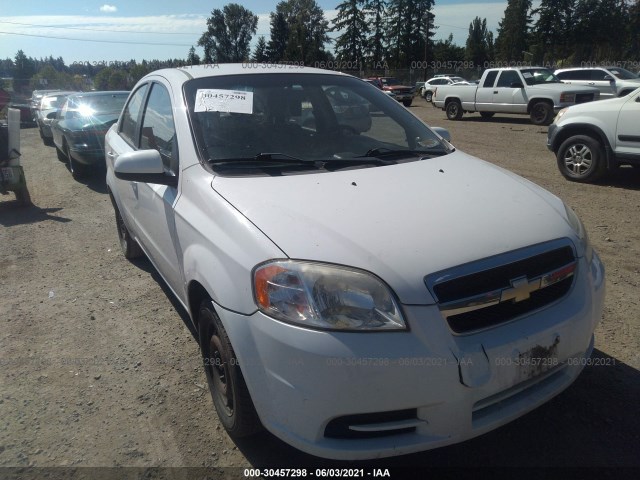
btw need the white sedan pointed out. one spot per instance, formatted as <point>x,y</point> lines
<point>358,293</point>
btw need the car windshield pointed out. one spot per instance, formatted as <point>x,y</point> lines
<point>51,102</point>
<point>623,74</point>
<point>536,76</point>
<point>390,81</point>
<point>302,118</point>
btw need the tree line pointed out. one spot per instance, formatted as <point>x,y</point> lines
<point>375,35</point>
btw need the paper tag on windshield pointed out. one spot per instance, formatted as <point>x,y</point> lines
<point>526,75</point>
<point>217,100</point>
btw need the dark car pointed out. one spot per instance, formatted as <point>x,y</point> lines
<point>50,103</point>
<point>78,128</point>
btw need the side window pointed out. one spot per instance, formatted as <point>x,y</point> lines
<point>490,79</point>
<point>507,78</point>
<point>130,114</point>
<point>598,75</point>
<point>158,129</point>
<point>63,111</point>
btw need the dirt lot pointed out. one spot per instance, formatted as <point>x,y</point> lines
<point>99,368</point>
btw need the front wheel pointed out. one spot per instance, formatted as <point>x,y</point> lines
<point>428,96</point>
<point>230,395</point>
<point>541,113</point>
<point>454,110</point>
<point>581,159</point>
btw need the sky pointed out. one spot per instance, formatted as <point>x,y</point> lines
<point>99,32</point>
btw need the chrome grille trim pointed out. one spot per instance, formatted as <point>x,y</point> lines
<point>521,289</point>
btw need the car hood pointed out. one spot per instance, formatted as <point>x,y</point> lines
<point>562,87</point>
<point>401,222</point>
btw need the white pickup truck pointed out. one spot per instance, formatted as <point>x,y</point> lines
<point>533,91</point>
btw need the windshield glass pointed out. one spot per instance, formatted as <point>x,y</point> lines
<point>88,105</point>
<point>536,76</point>
<point>306,116</point>
<point>623,74</point>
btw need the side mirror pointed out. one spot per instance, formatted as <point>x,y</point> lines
<point>517,85</point>
<point>143,166</point>
<point>609,78</point>
<point>443,132</point>
<point>52,115</point>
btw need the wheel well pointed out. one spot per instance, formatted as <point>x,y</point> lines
<point>196,294</point>
<point>449,100</point>
<point>580,130</point>
<point>538,100</point>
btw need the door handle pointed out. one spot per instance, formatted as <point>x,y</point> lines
<point>591,83</point>
<point>495,91</point>
<point>111,155</point>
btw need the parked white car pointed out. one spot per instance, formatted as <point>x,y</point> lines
<point>611,81</point>
<point>358,294</point>
<point>591,140</point>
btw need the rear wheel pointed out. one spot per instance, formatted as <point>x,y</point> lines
<point>454,110</point>
<point>428,96</point>
<point>581,159</point>
<point>407,103</point>
<point>228,389</point>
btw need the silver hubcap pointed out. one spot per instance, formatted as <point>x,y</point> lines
<point>578,159</point>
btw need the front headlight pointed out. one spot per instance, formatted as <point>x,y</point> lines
<point>560,115</point>
<point>581,232</point>
<point>325,296</point>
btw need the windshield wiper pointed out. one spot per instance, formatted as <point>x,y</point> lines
<point>283,159</point>
<point>381,152</point>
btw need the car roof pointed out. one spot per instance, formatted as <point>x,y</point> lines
<point>183,74</point>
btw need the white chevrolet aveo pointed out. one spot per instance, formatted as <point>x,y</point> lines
<point>357,293</point>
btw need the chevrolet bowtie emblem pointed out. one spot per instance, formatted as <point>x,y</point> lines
<point>521,289</point>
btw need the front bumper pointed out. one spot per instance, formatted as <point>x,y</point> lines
<point>457,387</point>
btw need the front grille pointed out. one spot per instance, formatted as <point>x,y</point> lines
<point>494,291</point>
<point>505,311</point>
<point>584,97</point>
<point>339,427</point>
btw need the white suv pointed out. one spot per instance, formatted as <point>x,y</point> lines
<point>611,81</point>
<point>358,293</point>
<point>593,138</point>
<point>430,85</point>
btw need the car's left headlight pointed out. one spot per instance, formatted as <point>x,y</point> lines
<point>319,295</point>
<point>581,233</point>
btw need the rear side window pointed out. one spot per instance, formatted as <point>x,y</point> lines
<point>575,75</point>
<point>130,115</point>
<point>490,79</point>
<point>158,129</point>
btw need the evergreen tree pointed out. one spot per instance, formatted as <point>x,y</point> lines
<point>307,29</point>
<point>552,35</point>
<point>228,35</point>
<point>479,46</point>
<point>513,31</point>
<point>351,19</point>
<point>260,53</point>
<point>24,69</point>
<point>193,58</point>
<point>410,29</point>
<point>279,36</point>
<point>376,13</point>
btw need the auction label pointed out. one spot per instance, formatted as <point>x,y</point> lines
<point>217,100</point>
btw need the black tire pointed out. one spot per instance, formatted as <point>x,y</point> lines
<point>487,114</point>
<point>130,248</point>
<point>407,103</point>
<point>581,159</point>
<point>229,391</point>
<point>23,197</point>
<point>61,155</point>
<point>428,96</point>
<point>78,170</point>
<point>541,113</point>
<point>454,110</point>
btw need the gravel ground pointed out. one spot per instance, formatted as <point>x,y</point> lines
<point>100,368</point>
